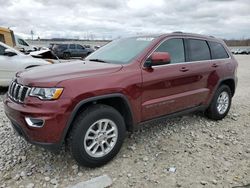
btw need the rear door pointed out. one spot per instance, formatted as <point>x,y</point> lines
<point>222,66</point>
<point>72,50</point>
<point>174,87</point>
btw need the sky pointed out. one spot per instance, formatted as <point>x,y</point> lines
<point>110,19</point>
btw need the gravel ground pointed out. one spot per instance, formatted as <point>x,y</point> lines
<point>204,153</point>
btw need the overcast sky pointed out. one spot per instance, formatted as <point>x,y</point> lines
<point>117,18</point>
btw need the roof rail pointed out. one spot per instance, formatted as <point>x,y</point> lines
<point>177,32</point>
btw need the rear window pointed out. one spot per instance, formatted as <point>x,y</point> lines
<point>198,50</point>
<point>218,51</point>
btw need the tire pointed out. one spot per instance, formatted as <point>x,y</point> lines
<point>66,55</point>
<point>90,119</point>
<point>214,112</point>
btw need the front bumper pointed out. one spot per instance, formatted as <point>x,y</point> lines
<point>50,146</point>
<point>54,114</point>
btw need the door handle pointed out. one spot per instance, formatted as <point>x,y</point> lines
<point>215,65</point>
<point>184,69</point>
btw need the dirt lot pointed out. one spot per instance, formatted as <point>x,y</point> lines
<point>205,153</point>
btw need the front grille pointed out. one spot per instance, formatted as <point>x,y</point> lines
<point>18,92</point>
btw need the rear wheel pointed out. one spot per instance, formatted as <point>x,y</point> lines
<point>97,135</point>
<point>220,104</point>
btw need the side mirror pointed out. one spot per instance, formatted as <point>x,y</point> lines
<point>9,52</point>
<point>158,58</point>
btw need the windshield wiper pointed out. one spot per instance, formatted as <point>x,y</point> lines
<point>98,60</point>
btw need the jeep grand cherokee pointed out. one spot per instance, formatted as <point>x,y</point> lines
<point>91,104</point>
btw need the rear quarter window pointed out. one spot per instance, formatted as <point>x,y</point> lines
<point>198,50</point>
<point>218,51</point>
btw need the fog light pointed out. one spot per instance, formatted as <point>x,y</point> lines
<point>33,122</point>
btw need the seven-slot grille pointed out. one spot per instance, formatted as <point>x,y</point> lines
<point>18,92</point>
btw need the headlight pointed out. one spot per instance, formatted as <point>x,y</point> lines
<point>46,93</point>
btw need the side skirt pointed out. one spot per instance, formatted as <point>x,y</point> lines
<point>175,114</point>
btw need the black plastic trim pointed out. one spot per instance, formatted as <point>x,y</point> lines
<point>93,99</point>
<point>176,114</point>
<point>54,147</point>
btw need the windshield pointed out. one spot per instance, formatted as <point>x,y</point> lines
<point>121,51</point>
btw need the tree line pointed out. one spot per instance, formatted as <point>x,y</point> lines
<point>243,42</point>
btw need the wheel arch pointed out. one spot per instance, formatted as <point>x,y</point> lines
<point>117,101</point>
<point>230,82</point>
<point>31,66</point>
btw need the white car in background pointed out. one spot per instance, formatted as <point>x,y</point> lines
<point>12,61</point>
<point>23,45</point>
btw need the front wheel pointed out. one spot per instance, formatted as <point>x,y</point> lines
<point>220,104</point>
<point>97,135</point>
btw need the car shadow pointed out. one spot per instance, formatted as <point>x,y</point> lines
<point>3,90</point>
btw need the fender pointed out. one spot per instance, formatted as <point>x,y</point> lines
<point>93,99</point>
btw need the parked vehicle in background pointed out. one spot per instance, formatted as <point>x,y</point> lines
<point>97,47</point>
<point>67,51</point>
<point>90,105</point>
<point>248,51</point>
<point>12,61</point>
<point>45,54</point>
<point>22,45</point>
<point>8,37</point>
<point>233,50</point>
<point>243,51</point>
<point>51,45</point>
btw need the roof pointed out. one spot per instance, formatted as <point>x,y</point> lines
<point>181,34</point>
<point>5,29</point>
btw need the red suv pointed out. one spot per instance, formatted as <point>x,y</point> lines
<point>91,104</point>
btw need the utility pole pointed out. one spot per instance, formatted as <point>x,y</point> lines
<point>32,34</point>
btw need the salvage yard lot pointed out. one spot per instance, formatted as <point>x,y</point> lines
<point>204,153</point>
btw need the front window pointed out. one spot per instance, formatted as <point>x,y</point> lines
<point>175,48</point>
<point>121,51</point>
<point>2,50</point>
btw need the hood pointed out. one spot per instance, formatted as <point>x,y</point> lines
<point>49,76</point>
<point>30,59</point>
